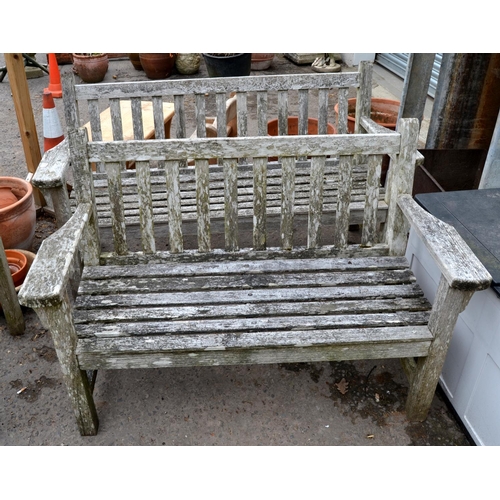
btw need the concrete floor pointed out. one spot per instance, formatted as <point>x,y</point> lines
<point>273,405</point>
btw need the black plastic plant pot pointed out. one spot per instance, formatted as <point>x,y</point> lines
<point>222,65</point>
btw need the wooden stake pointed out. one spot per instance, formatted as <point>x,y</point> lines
<point>25,119</point>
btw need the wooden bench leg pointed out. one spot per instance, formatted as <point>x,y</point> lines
<point>424,374</point>
<point>58,320</point>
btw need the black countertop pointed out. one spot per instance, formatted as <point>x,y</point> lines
<point>475,215</point>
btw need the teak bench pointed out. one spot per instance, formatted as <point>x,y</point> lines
<point>154,267</point>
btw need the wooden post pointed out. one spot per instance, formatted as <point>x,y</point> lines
<point>416,86</point>
<point>8,297</point>
<point>25,119</point>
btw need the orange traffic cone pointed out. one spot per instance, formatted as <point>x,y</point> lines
<point>52,130</point>
<point>54,77</point>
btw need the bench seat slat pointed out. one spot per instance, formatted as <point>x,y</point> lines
<point>221,282</point>
<point>262,324</point>
<point>223,297</point>
<point>245,267</point>
<point>132,313</point>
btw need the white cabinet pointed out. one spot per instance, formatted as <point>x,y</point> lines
<point>471,374</point>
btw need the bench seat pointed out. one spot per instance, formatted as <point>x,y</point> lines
<point>179,313</point>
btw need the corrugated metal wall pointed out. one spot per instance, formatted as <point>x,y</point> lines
<point>397,63</point>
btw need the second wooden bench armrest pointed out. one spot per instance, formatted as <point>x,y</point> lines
<point>51,172</point>
<point>456,261</point>
<point>46,282</point>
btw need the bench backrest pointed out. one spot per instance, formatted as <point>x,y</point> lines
<point>194,99</point>
<point>244,163</point>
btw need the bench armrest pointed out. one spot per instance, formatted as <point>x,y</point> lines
<point>51,172</point>
<point>456,261</point>
<point>53,267</point>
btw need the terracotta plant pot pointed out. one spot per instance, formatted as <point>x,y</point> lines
<point>157,66</point>
<point>222,65</point>
<point>293,128</point>
<point>7,197</point>
<point>383,112</point>
<point>91,68</point>
<point>261,61</point>
<point>136,61</point>
<point>18,219</point>
<point>18,265</point>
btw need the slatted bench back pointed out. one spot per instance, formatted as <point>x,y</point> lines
<point>296,95</point>
<point>169,154</point>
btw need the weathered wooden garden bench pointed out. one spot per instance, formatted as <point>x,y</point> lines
<point>302,291</point>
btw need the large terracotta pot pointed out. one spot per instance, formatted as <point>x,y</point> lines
<point>157,66</point>
<point>293,126</point>
<point>91,68</point>
<point>136,61</point>
<point>17,219</point>
<point>383,112</point>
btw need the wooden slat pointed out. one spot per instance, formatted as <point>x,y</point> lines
<point>263,295</point>
<point>287,202</point>
<point>95,122</point>
<point>262,113</point>
<point>315,201</point>
<point>231,204</point>
<point>201,130</point>
<point>364,94</point>
<point>203,204</point>
<point>265,324</point>
<point>116,119</point>
<point>145,207</point>
<point>242,119</point>
<point>269,280</point>
<point>113,171</point>
<point>137,118</point>
<point>200,312</point>
<point>322,111</point>
<point>369,234</point>
<point>180,116</point>
<point>343,202</point>
<point>268,265</point>
<point>174,206</point>
<point>303,111</point>
<point>343,111</point>
<point>158,117</point>
<point>259,203</point>
<point>95,127</point>
<point>189,255</point>
<point>220,100</point>
<point>282,112</point>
